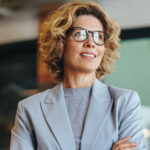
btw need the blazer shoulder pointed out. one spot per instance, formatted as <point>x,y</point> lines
<point>35,99</point>
<point>122,94</point>
<point>124,101</point>
<point>117,92</point>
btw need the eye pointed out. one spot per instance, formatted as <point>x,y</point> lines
<point>99,35</point>
<point>77,33</point>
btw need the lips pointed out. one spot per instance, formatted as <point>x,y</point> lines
<point>86,54</point>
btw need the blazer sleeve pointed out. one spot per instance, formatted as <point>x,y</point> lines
<point>131,120</point>
<point>21,138</point>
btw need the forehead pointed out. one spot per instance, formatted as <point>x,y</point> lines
<point>88,22</point>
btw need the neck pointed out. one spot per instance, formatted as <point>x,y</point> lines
<point>78,80</point>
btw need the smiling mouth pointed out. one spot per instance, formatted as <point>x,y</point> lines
<point>88,55</point>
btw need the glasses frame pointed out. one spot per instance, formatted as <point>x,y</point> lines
<point>87,34</point>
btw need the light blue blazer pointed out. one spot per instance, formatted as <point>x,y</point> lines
<point>42,121</point>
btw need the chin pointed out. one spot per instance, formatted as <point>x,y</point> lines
<point>87,70</point>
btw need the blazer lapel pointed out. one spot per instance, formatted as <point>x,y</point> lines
<point>99,107</point>
<point>55,112</point>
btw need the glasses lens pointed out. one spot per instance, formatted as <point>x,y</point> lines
<point>99,37</point>
<point>79,34</point>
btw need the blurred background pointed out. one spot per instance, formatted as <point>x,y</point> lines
<point>22,72</point>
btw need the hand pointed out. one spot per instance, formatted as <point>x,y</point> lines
<point>124,145</point>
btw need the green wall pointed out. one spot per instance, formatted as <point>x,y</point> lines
<point>133,68</point>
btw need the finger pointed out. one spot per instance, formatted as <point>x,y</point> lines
<point>124,146</point>
<point>126,149</point>
<point>123,140</point>
<point>127,146</point>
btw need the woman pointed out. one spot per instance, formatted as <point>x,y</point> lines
<point>79,43</point>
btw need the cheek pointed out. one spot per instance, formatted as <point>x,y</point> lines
<point>101,52</point>
<point>67,50</point>
<point>71,51</point>
<point>71,45</point>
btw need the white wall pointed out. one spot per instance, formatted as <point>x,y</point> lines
<point>128,13</point>
<point>20,28</point>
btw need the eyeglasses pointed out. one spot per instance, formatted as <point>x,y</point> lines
<point>80,34</point>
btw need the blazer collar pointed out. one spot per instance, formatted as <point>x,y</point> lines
<point>99,108</point>
<point>56,114</point>
<point>55,111</point>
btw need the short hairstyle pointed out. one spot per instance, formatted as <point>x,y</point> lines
<point>53,34</point>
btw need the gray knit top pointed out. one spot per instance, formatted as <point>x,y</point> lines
<point>77,100</point>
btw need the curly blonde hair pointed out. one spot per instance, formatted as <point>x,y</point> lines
<point>53,34</point>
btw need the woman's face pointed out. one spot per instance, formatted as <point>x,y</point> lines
<point>87,55</point>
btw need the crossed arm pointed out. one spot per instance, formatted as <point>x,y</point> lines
<point>130,126</point>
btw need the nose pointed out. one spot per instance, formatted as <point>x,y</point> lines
<point>89,43</point>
